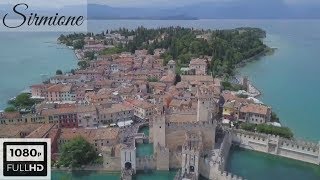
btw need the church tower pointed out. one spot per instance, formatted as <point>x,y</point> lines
<point>172,66</point>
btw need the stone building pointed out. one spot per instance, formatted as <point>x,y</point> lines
<point>142,109</point>
<point>199,66</point>
<point>116,113</point>
<point>255,113</point>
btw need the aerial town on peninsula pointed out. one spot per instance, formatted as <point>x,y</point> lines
<point>178,90</point>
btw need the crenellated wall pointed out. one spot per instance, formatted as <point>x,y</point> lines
<point>251,141</point>
<point>212,166</point>
<point>224,149</point>
<point>227,176</point>
<point>293,149</point>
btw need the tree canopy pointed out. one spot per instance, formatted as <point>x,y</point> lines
<point>59,72</point>
<point>23,100</point>
<point>10,109</point>
<point>226,47</point>
<point>77,152</point>
<point>267,129</point>
<point>89,55</point>
<point>76,40</point>
<point>83,64</point>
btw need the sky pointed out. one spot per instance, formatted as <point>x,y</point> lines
<point>46,3</point>
<point>133,3</point>
<point>137,3</point>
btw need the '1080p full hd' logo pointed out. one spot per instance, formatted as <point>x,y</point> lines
<point>25,158</point>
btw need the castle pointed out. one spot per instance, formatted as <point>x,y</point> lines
<point>197,144</point>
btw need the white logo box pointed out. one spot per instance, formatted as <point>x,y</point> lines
<point>17,151</point>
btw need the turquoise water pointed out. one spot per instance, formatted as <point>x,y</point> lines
<point>144,130</point>
<point>144,149</point>
<point>25,57</point>
<point>156,175</point>
<point>84,175</point>
<point>253,165</point>
<point>96,175</point>
<point>289,81</point>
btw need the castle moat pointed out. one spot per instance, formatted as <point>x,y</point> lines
<point>145,149</point>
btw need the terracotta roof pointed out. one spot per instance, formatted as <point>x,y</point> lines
<point>107,133</point>
<point>65,110</point>
<point>68,134</point>
<point>84,109</point>
<point>10,131</point>
<point>198,61</point>
<point>182,85</point>
<point>255,108</point>
<point>141,104</point>
<point>200,78</point>
<point>114,109</point>
<point>60,88</point>
<point>41,132</point>
<point>11,115</point>
<point>170,77</point>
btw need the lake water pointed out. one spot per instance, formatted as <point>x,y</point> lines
<point>289,81</point>
<point>26,58</point>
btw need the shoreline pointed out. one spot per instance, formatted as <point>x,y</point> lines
<point>25,89</point>
<point>253,90</point>
<point>266,52</point>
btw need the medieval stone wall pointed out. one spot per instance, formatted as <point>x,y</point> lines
<point>293,149</point>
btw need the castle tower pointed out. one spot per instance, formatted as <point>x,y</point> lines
<point>159,132</point>
<point>191,154</point>
<point>206,104</point>
<point>172,66</point>
<point>159,143</point>
<point>245,82</point>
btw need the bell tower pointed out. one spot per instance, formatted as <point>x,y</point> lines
<point>172,66</point>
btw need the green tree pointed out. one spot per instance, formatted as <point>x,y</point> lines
<point>10,109</point>
<point>248,126</point>
<point>83,64</point>
<point>268,129</point>
<point>178,79</point>
<point>78,44</point>
<point>152,79</point>
<point>274,117</point>
<point>23,100</point>
<point>280,131</point>
<point>77,152</point>
<point>90,55</point>
<point>59,72</point>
